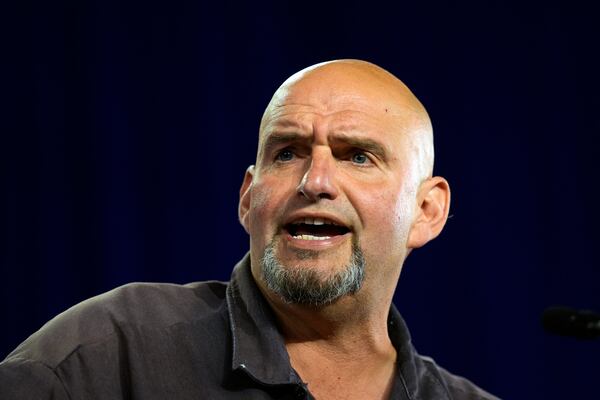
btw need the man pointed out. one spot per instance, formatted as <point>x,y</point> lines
<point>342,191</point>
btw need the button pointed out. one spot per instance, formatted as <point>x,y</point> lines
<point>300,392</point>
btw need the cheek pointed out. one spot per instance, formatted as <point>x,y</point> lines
<point>259,205</point>
<point>390,215</point>
<point>404,211</point>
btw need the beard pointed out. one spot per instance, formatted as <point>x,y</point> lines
<point>306,286</point>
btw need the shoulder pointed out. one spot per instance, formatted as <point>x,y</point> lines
<point>130,307</point>
<point>457,387</point>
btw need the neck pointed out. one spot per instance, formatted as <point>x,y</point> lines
<point>352,325</point>
<point>340,350</point>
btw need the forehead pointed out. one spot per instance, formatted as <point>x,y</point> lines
<point>324,107</point>
<point>309,117</point>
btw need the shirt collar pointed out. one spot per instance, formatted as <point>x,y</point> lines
<point>258,346</point>
<point>407,377</point>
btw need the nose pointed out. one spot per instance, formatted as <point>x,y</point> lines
<point>319,181</point>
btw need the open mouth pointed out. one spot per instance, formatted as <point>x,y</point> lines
<point>315,229</point>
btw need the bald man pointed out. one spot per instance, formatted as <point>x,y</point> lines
<point>341,193</point>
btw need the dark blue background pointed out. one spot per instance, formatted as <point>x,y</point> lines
<point>127,127</point>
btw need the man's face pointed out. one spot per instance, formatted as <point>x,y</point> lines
<point>335,170</point>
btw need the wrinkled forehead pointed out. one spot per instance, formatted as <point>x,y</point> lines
<point>301,109</point>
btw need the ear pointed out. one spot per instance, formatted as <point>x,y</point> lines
<point>245,197</point>
<point>433,205</point>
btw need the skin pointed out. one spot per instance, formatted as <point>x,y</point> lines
<point>348,141</point>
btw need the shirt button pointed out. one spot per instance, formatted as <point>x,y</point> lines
<point>300,393</point>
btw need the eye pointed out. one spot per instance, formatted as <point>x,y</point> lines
<point>285,155</point>
<point>360,158</point>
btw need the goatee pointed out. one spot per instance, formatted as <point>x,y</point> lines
<point>306,286</point>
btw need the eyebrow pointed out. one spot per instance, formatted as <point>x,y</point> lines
<point>277,139</point>
<point>363,143</point>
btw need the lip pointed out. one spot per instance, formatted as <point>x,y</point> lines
<point>316,244</point>
<point>324,244</point>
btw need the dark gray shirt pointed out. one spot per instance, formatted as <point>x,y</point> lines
<point>206,340</point>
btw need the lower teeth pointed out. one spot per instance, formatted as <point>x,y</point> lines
<point>311,237</point>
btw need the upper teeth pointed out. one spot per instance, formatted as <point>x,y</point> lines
<point>314,221</point>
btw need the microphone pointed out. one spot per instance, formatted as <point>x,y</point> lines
<point>564,321</point>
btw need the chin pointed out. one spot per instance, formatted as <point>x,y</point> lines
<point>312,277</point>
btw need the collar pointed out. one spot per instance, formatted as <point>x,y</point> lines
<point>407,376</point>
<point>258,346</point>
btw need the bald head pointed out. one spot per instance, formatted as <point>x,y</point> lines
<point>332,84</point>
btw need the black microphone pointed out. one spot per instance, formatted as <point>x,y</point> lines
<point>564,321</point>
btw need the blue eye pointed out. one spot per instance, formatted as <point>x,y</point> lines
<point>285,155</point>
<point>359,158</point>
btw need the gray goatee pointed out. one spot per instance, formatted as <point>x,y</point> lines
<point>305,286</point>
